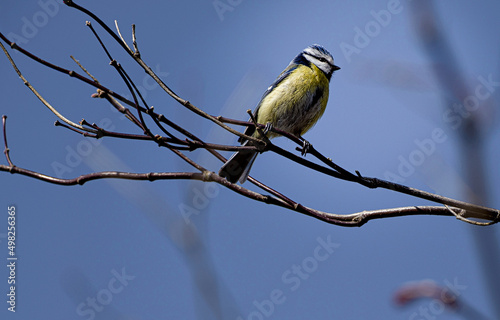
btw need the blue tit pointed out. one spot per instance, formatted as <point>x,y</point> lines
<point>293,103</point>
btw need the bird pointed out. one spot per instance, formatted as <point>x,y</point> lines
<point>293,103</point>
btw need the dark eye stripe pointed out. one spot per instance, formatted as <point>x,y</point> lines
<point>319,58</point>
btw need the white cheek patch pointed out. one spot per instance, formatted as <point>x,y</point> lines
<point>323,66</point>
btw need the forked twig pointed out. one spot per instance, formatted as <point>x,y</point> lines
<point>177,144</point>
<point>6,149</point>
<point>38,95</point>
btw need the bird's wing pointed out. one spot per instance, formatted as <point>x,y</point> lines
<point>280,78</point>
<point>283,75</point>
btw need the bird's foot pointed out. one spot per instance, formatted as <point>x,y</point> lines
<point>305,147</point>
<point>268,128</point>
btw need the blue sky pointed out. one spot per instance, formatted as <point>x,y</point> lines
<point>143,250</point>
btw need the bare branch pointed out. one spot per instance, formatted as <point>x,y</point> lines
<point>349,220</point>
<point>6,146</point>
<point>39,96</point>
<point>121,37</point>
<point>83,69</point>
<point>178,144</point>
<point>346,220</point>
<point>134,42</point>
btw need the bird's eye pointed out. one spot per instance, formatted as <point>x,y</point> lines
<point>322,59</point>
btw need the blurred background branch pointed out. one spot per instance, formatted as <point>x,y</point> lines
<point>354,131</point>
<point>471,133</point>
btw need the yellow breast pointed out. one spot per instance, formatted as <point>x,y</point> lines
<point>298,101</point>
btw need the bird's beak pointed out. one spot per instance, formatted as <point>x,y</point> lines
<point>335,68</point>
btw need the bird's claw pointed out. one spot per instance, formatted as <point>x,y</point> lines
<point>305,148</point>
<point>268,128</point>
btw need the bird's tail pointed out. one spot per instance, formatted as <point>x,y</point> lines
<point>238,166</point>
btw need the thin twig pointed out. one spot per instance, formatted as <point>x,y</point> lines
<point>131,87</point>
<point>73,74</point>
<point>39,96</point>
<point>346,220</point>
<point>259,129</point>
<point>460,217</point>
<point>331,169</point>
<point>121,37</point>
<point>6,149</point>
<point>134,42</point>
<point>57,123</point>
<point>155,77</point>
<point>83,69</point>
